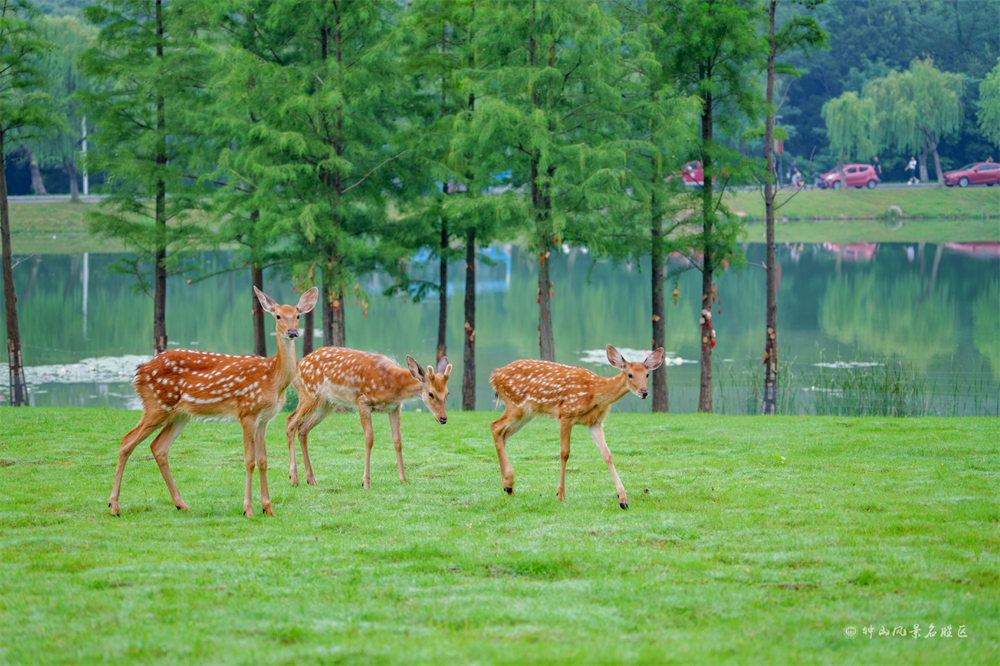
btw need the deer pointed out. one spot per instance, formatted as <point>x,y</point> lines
<point>368,382</point>
<point>571,395</point>
<point>179,385</point>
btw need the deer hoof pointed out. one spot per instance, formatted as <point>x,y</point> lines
<point>510,491</point>
<point>623,505</point>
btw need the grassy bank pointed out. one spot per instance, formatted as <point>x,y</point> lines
<point>54,228</point>
<point>975,203</point>
<point>747,540</point>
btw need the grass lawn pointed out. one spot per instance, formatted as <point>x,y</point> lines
<point>54,228</point>
<point>952,202</point>
<point>747,540</point>
<point>877,231</point>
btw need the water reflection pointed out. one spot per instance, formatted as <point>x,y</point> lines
<point>937,306</point>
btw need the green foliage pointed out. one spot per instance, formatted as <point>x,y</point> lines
<point>989,106</point>
<point>849,120</point>
<point>26,112</point>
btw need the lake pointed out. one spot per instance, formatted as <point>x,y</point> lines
<point>933,310</point>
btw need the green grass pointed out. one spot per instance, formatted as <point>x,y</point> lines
<point>748,540</point>
<point>54,228</point>
<point>973,203</point>
<point>877,231</point>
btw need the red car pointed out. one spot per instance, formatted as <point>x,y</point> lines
<point>858,175</point>
<point>977,173</point>
<point>692,174</point>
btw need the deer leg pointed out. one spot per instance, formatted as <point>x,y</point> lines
<point>366,425</point>
<point>260,455</point>
<point>597,432</point>
<point>565,428</point>
<point>146,426</point>
<point>291,426</point>
<point>160,447</point>
<point>314,419</point>
<point>502,429</point>
<point>249,460</point>
<point>397,441</point>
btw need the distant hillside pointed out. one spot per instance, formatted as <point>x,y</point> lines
<point>60,7</point>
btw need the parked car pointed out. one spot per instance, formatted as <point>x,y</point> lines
<point>977,173</point>
<point>858,175</point>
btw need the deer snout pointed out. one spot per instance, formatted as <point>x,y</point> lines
<point>293,332</point>
<point>442,420</point>
<point>643,393</point>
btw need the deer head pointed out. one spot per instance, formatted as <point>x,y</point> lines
<point>286,316</point>
<point>433,386</point>
<point>638,373</point>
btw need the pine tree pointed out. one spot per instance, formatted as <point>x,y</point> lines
<point>544,80</point>
<point>24,111</point>
<point>144,139</point>
<point>713,49</point>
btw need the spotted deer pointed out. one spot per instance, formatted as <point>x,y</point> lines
<point>571,395</point>
<point>181,384</point>
<point>368,382</point>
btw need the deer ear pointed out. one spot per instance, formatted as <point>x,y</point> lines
<point>654,359</point>
<point>442,364</point>
<point>266,301</point>
<point>615,359</point>
<point>430,370</point>
<point>447,373</point>
<point>415,369</point>
<point>308,301</point>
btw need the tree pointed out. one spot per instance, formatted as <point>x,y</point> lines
<point>144,139</point>
<point>916,109</point>
<point>23,110</point>
<point>804,33</point>
<point>544,80</point>
<point>989,106</point>
<point>63,78</point>
<point>849,127</point>
<point>711,50</point>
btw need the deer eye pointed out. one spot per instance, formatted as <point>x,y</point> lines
<point>279,317</point>
<point>630,375</point>
<point>431,395</point>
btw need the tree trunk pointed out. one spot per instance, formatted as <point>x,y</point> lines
<point>259,334</point>
<point>840,170</point>
<point>769,404</point>
<point>18,387</point>
<point>308,328</point>
<point>333,310</point>
<point>937,158</point>
<point>922,161</point>
<point>160,270</point>
<point>661,401</point>
<point>37,186</point>
<point>442,348</point>
<point>708,215</point>
<point>74,188</point>
<point>469,359</point>
<point>337,321</point>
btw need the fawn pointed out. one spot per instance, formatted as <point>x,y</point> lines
<point>572,395</point>
<point>369,382</point>
<point>179,385</point>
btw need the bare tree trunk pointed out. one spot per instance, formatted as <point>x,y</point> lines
<point>259,334</point>
<point>708,219</point>
<point>770,402</point>
<point>469,358</point>
<point>308,328</point>
<point>74,188</point>
<point>160,270</point>
<point>922,161</point>
<point>937,159</point>
<point>840,170</point>
<point>661,401</point>
<point>327,303</point>
<point>37,186</point>
<point>18,387</point>
<point>442,348</point>
<point>934,269</point>
<point>337,321</point>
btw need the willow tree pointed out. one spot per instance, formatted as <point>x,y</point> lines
<point>914,110</point>
<point>988,114</point>
<point>545,79</point>
<point>849,127</point>
<point>63,78</point>
<point>712,50</point>
<point>24,110</point>
<point>146,137</point>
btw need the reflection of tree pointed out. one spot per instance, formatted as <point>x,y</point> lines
<point>986,326</point>
<point>885,317</point>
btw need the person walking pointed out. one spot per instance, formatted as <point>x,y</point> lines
<point>911,166</point>
<point>878,167</point>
